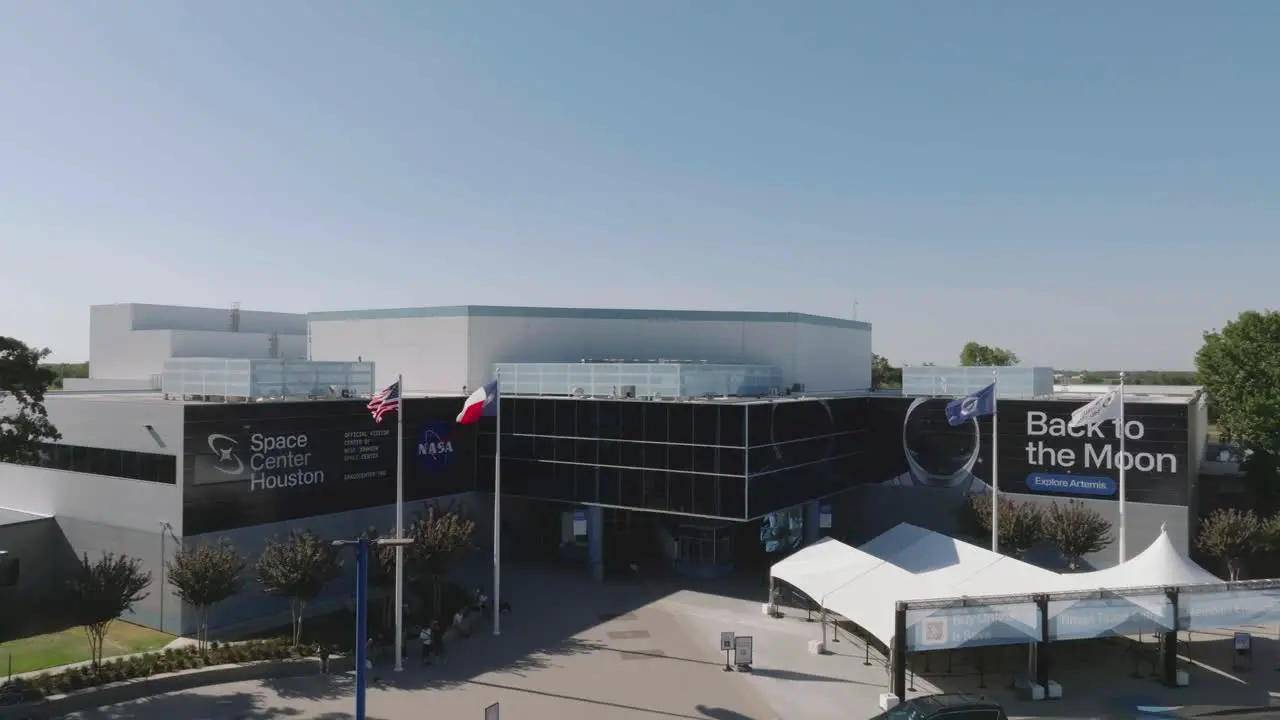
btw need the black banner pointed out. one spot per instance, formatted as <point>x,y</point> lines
<point>260,463</point>
<point>913,445</point>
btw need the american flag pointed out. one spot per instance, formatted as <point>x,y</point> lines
<point>385,401</point>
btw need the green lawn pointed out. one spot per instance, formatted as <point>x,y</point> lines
<point>72,646</point>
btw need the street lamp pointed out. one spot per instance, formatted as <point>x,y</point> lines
<point>362,608</point>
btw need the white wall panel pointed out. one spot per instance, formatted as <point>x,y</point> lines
<point>117,422</point>
<point>172,317</point>
<point>110,501</point>
<point>240,345</point>
<point>431,352</point>
<point>791,346</point>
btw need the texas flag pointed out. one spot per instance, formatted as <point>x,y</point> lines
<point>482,403</point>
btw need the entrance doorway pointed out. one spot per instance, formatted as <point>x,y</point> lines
<point>704,550</point>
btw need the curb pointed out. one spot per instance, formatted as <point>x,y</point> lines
<point>129,690</point>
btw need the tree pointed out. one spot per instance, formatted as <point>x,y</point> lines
<point>1077,530</point>
<point>1239,367</point>
<point>104,590</point>
<point>884,375</point>
<point>62,371</point>
<point>1231,536</point>
<point>23,378</point>
<point>1022,524</point>
<point>297,567</point>
<point>204,576</point>
<point>438,536</point>
<point>975,355</point>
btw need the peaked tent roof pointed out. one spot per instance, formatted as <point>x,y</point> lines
<point>1160,565</point>
<point>911,563</point>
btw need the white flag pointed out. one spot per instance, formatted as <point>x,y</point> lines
<point>1100,410</point>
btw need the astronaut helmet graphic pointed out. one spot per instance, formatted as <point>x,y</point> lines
<point>938,453</point>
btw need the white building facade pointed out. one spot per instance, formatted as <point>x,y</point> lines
<point>443,349</point>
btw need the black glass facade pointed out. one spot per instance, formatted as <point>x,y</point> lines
<point>253,464</point>
<point>800,450</point>
<point>687,457</point>
<point>677,457</point>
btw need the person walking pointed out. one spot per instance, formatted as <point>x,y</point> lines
<point>324,659</point>
<point>426,637</point>
<point>437,634</point>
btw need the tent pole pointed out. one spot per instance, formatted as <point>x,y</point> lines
<point>824,627</point>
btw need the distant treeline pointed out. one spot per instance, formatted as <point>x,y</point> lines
<point>68,370</point>
<point>1132,377</point>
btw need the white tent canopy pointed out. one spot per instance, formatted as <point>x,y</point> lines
<point>910,563</point>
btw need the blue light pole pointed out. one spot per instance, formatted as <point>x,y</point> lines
<point>362,611</point>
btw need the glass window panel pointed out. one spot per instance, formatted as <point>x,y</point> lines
<point>630,489</point>
<point>680,423</point>
<point>632,454</point>
<point>706,422</point>
<point>610,420</point>
<point>760,459</point>
<point>563,449</point>
<point>655,490</point>
<point>130,465</point>
<point>632,417</point>
<point>566,417</point>
<point>585,481</point>
<point>166,469</point>
<point>680,492</point>
<point>704,459</point>
<point>758,424</point>
<point>705,492</point>
<point>587,420</point>
<point>517,447</point>
<point>610,453</point>
<point>586,451</point>
<point>522,416</point>
<point>732,462</point>
<point>733,497</point>
<point>655,422</point>
<point>607,487</point>
<point>544,419</point>
<point>655,456</point>
<point>731,430</point>
<point>680,457</point>
<point>78,458</point>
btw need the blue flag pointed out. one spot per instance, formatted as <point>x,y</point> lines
<point>978,404</point>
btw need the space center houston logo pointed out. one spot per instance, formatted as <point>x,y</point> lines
<point>435,447</point>
<point>272,462</point>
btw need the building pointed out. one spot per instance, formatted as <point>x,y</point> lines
<point>705,441</point>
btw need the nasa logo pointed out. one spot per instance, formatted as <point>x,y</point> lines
<point>969,406</point>
<point>435,447</point>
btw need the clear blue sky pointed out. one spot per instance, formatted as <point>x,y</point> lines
<point>1089,183</point>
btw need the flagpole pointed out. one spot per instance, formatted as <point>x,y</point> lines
<point>399,666</point>
<point>995,462</point>
<point>497,506</point>
<point>1120,425</point>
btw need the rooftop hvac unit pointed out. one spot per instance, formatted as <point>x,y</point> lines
<point>628,391</point>
<point>796,388</point>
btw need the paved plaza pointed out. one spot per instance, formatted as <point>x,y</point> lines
<point>577,650</point>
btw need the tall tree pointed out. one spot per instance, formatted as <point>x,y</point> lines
<point>1022,524</point>
<point>1239,367</point>
<point>204,576</point>
<point>976,355</point>
<point>104,590</point>
<point>884,375</point>
<point>24,379</point>
<point>297,568</point>
<point>439,536</point>
<point>1231,536</point>
<point>1077,530</point>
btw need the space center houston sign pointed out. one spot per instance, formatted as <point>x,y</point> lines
<point>972,626</point>
<point>260,463</point>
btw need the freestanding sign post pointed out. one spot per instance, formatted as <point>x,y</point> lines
<point>742,652</point>
<point>726,647</point>
<point>491,712</point>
